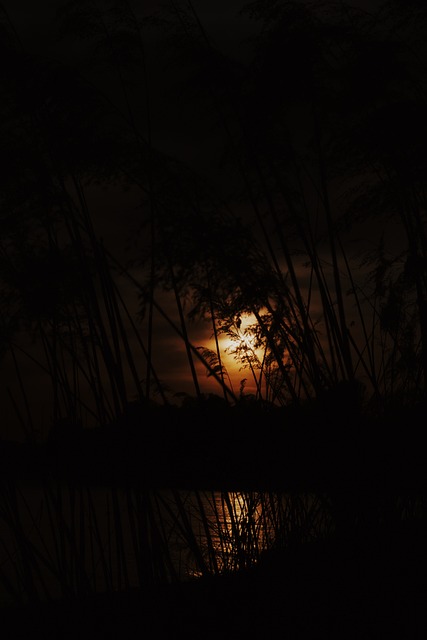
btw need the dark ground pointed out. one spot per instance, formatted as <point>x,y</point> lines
<point>235,449</point>
<point>363,583</point>
<point>368,589</point>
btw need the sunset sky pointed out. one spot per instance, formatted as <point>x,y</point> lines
<point>183,129</point>
<point>179,130</point>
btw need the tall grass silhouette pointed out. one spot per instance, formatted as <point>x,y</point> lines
<point>309,152</point>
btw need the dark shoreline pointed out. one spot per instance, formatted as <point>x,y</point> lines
<point>357,584</point>
<point>363,589</point>
<point>216,452</point>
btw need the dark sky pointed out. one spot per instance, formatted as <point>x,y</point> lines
<point>178,129</point>
<point>181,128</point>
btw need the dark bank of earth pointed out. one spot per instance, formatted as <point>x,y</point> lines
<point>240,448</point>
<point>359,584</point>
<point>369,589</point>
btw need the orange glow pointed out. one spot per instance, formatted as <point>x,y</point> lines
<point>244,336</point>
<point>237,349</point>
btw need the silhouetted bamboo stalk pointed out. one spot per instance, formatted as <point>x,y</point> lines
<point>95,528</point>
<point>27,427</point>
<point>215,334</point>
<point>145,351</point>
<point>212,552</point>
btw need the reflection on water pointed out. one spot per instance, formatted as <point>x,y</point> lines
<point>59,540</point>
<point>230,529</point>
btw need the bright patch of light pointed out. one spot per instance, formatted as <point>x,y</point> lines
<point>238,347</point>
<point>244,338</point>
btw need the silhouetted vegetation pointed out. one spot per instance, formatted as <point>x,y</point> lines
<point>304,243</point>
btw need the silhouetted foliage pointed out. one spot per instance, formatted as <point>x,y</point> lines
<point>320,125</point>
